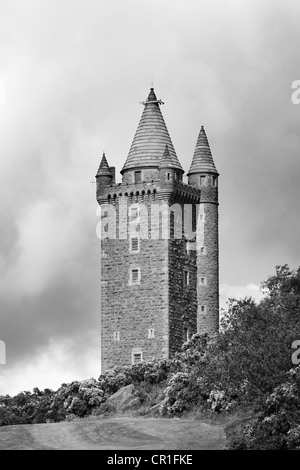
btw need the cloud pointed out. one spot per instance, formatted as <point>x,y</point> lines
<point>239,292</point>
<point>54,364</point>
<point>74,73</point>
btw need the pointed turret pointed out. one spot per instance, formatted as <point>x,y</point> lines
<point>203,176</point>
<point>150,139</point>
<point>104,176</point>
<point>168,170</point>
<point>202,160</point>
<point>167,160</point>
<point>103,169</point>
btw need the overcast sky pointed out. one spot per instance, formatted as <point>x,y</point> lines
<point>72,74</point>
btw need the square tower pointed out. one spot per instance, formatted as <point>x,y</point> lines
<point>151,292</point>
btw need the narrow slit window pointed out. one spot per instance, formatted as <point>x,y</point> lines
<point>203,280</point>
<point>202,180</point>
<point>185,334</point>
<point>151,333</point>
<point>116,336</point>
<point>186,277</point>
<point>203,309</point>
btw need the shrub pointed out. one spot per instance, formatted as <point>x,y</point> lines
<point>278,425</point>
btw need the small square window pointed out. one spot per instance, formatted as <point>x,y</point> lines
<point>203,281</point>
<point>203,308</point>
<point>137,176</point>
<point>151,333</point>
<point>133,213</point>
<point>135,276</point>
<point>137,357</point>
<point>134,244</point>
<point>116,336</point>
<point>186,277</point>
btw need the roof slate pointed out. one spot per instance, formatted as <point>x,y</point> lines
<point>151,138</point>
<point>103,169</point>
<point>202,159</point>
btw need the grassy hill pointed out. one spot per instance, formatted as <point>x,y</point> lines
<point>249,367</point>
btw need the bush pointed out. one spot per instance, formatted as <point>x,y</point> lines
<point>278,426</point>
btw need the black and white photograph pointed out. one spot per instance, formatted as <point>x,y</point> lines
<point>150,227</point>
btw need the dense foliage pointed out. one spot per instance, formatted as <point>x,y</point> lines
<point>74,399</point>
<point>78,399</point>
<point>278,425</point>
<point>249,363</point>
<point>248,358</point>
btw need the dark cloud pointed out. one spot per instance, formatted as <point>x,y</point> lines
<point>74,74</point>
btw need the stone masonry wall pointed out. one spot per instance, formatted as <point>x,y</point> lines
<point>161,301</point>
<point>132,310</point>
<point>208,269</point>
<point>182,298</point>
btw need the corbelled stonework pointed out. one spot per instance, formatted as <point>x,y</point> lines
<point>157,291</point>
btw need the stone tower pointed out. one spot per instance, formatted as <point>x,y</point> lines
<point>159,246</point>
<point>204,176</point>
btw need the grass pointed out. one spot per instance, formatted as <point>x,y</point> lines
<point>115,433</point>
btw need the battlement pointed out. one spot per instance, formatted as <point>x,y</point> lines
<point>154,190</point>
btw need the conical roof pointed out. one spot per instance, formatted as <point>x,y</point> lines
<point>103,169</point>
<point>202,159</point>
<point>167,160</point>
<point>151,138</point>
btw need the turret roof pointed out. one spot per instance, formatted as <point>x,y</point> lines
<point>202,159</point>
<point>168,161</point>
<point>103,169</point>
<point>151,138</point>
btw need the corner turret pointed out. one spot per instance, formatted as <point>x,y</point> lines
<point>203,174</point>
<point>168,168</point>
<point>104,176</point>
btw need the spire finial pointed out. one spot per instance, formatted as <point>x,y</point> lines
<point>152,99</point>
